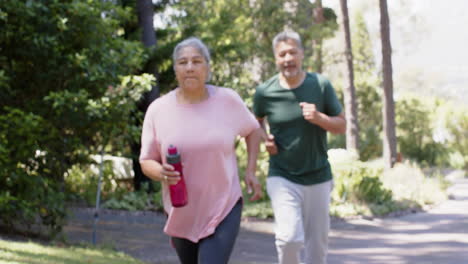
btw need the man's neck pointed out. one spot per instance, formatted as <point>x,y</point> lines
<point>292,82</point>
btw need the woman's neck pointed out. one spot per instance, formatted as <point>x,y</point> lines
<point>192,96</point>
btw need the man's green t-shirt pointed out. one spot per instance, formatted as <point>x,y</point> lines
<point>302,146</point>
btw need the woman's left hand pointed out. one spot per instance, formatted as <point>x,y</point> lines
<point>253,185</point>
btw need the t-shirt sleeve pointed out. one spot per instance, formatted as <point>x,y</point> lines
<point>244,121</point>
<point>258,105</point>
<point>150,148</point>
<point>332,104</point>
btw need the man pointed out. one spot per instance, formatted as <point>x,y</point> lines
<point>300,108</point>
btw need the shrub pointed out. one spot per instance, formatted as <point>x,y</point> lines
<point>26,198</point>
<point>415,131</point>
<point>453,132</point>
<point>408,182</point>
<point>358,183</point>
<point>139,200</point>
<point>61,97</point>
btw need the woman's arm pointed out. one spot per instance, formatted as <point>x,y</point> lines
<point>253,145</point>
<point>159,172</point>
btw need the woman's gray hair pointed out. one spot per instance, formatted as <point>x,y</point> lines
<point>285,36</point>
<point>198,45</point>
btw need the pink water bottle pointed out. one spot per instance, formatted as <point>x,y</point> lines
<point>177,191</point>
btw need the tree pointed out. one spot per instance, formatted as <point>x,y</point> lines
<point>145,12</point>
<point>318,41</point>
<point>352,127</point>
<point>58,95</point>
<point>369,99</point>
<point>239,35</point>
<point>389,141</point>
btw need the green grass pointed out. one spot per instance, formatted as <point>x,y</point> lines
<point>12,252</point>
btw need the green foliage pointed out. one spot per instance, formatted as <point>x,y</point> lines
<point>261,209</point>
<point>409,183</point>
<point>415,132</point>
<point>358,189</point>
<point>364,188</point>
<point>82,181</point>
<point>239,34</point>
<point>24,194</point>
<point>358,183</point>
<point>451,128</point>
<point>139,200</point>
<point>63,96</point>
<point>368,96</point>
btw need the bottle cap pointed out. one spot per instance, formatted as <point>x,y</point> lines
<point>173,156</point>
<point>172,150</point>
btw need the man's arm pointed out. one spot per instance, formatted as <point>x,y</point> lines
<point>332,124</point>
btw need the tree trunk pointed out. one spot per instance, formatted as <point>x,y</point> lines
<point>317,43</point>
<point>145,12</point>
<point>389,141</point>
<point>145,21</point>
<point>352,126</point>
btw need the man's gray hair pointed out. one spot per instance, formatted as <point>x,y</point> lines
<point>285,36</point>
<point>198,45</point>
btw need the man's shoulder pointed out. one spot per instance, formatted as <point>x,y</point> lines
<point>320,78</point>
<point>317,79</point>
<point>268,84</point>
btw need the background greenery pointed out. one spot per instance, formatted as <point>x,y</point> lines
<point>71,77</point>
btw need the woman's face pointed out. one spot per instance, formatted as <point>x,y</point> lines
<point>191,68</point>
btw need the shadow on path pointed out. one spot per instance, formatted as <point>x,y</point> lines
<point>439,236</point>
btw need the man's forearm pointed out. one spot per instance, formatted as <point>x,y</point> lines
<point>333,124</point>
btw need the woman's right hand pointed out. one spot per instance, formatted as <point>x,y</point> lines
<point>169,175</point>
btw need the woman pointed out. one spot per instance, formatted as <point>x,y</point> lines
<point>202,121</point>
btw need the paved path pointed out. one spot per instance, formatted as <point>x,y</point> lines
<point>439,236</point>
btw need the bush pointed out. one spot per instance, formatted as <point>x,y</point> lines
<point>415,131</point>
<point>356,182</point>
<point>82,183</point>
<point>63,94</point>
<point>363,188</point>
<point>139,200</point>
<point>452,131</point>
<point>408,182</point>
<point>26,198</point>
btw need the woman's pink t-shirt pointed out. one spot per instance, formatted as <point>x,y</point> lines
<point>205,134</point>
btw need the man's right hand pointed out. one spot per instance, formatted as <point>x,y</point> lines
<point>270,145</point>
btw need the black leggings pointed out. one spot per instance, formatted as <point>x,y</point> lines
<point>214,249</point>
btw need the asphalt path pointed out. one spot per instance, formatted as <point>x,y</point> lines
<point>437,236</point>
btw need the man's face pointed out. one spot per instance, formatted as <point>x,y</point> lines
<point>288,57</point>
